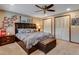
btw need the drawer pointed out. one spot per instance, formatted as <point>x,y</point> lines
<point>6,40</point>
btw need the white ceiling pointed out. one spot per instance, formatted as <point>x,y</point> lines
<point>29,9</point>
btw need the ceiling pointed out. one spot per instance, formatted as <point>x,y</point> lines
<point>29,9</point>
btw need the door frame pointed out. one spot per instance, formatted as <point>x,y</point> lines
<point>69,25</point>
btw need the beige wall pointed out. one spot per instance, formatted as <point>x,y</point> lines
<point>10,14</point>
<point>39,22</point>
<point>3,14</point>
<point>72,14</point>
<point>52,23</point>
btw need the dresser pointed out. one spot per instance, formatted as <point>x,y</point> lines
<point>7,39</point>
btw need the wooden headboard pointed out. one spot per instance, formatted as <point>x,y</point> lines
<point>24,26</point>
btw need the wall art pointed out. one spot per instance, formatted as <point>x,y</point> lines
<point>75,21</point>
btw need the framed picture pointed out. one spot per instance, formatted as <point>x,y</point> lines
<point>75,21</point>
<point>26,19</point>
<point>23,19</point>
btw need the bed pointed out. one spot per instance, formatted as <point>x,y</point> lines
<point>28,37</point>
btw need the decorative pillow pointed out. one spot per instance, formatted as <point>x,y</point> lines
<point>23,31</point>
<point>26,30</point>
<point>33,30</point>
<point>20,30</point>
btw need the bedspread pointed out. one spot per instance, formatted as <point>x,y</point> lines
<point>31,39</point>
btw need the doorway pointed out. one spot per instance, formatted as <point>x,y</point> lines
<point>48,25</point>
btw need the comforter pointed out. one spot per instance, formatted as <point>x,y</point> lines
<point>31,39</point>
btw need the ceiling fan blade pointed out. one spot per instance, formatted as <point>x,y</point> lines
<point>38,11</point>
<point>50,6</point>
<point>38,6</point>
<point>51,10</point>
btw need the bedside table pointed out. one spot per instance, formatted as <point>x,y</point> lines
<point>7,39</point>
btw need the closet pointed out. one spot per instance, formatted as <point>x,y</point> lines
<point>62,27</point>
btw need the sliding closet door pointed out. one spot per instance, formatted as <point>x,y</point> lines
<point>62,28</point>
<point>47,25</point>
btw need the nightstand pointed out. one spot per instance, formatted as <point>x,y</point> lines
<point>7,39</point>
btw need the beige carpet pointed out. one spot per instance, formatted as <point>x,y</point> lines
<point>11,49</point>
<point>62,48</point>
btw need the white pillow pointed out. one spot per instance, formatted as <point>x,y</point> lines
<point>33,30</point>
<point>26,30</point>
<point>23,31</point>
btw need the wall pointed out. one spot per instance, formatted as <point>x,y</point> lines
<point>24,18</point>
<point>9,15</point>
<point>38,22</point>
<point>74,29</point>
<point>52,25</point>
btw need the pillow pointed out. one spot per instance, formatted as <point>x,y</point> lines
<point>33,30</point>
<point>23,31</point>
<point>20,30</point>
<point>26,30</point>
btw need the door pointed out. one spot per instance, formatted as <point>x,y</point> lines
<point>62,28</point>
<point>47,25</point>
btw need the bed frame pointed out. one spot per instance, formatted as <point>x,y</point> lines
<point>24,26</point>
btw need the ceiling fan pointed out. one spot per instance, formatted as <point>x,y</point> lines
<point>45,8</point>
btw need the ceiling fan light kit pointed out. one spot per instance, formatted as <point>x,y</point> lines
<point>45,8</point>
